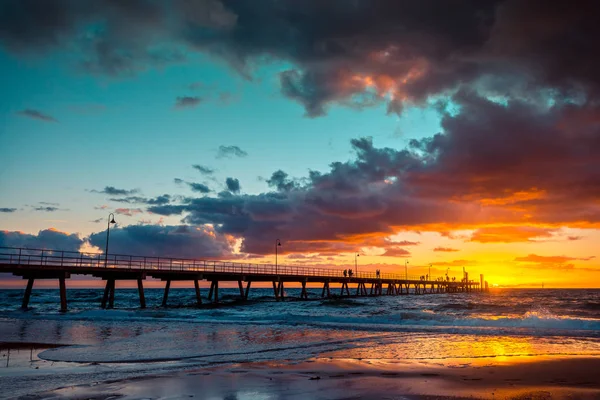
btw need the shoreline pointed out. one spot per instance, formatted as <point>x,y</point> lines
<point>515,377</point>
<point>320,378</point>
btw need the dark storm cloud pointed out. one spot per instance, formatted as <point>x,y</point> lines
<point>50,239</point>
<point>46,209</point>
<point>7,210</point>
<point>359,53</point>
<point>230,151</point>
<point>35,114</point>
<point>187,101</point>
<point>113,191</point>
<point>281,181</point>
<point>203,169</point>
<point>199,187</point>
<point>165,241</point>
<point>158,200</point>
<point>129,200</point>
<point>233,185</point>
<point>531,165</point>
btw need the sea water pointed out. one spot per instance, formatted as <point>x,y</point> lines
<point>134,341</point>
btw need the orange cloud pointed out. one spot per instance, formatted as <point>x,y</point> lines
<point>511,234</point>
<point>445,249</point>
<point>396,252</point>
<point>130,212</point>
<point>552,262</point>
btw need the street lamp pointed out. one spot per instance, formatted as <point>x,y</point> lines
<point>111,220</point>
<point>277,244</point>
<point>356,262</point>
<point>406,269</point>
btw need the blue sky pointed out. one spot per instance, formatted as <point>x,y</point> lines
<point>128,96</point>
<point>126,132</point>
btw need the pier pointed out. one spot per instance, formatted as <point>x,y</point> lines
<point>38,264</point>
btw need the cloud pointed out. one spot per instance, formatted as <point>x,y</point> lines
<point>199,187</point>
<point>130,212</point>
<point>98,220</point>
<point>187,101</point>
<point>50,239</point>
<point>178,181</point>
<point>166,241</point>
<point>279,180</point>
<point>550,262</point>
<point>35,114</point>
<point>339,53</point>
<point>46,209</point>
<point>480,173</point>
<point>396,252</point>
<point>230,151</point>
<point>203,169</point>
<point>102,207</point>
<point>113,191</point>
<point>511,234</point>
<point>233,185</point>
<point>406,243</point>
<point>549,259</point>
<point>7,210</point>
<point>159,200</point>
<point>573,238</point>
<point>445,249</point>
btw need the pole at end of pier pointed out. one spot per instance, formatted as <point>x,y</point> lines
<point>111,220</point>
<point>277,244</point>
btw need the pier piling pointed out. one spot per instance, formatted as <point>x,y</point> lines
<point>27,294</point>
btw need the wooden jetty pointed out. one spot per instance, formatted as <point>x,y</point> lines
<point>32,264</point>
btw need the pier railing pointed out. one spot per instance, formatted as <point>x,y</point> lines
<point>73,259</point>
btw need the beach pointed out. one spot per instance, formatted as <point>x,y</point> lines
<point>438,346</point>
<point>521,377</point>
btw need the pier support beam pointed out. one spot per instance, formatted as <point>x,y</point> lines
<point>276,291</point>
<point>198,297</point>
<point>27,294</point>
<point>281,291</point>
<point>111,294</point>
<point>166,295</point>
<point>345,289</point>
<point>304,293</point>
<point>214,292</point>
<point>247,290</point>
<point>325,288</point>
<point>63,294</point>
<point>241,287</point>
<point>141,293</point>
<point>105,296</point>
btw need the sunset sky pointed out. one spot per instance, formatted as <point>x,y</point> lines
<point>455,133</point>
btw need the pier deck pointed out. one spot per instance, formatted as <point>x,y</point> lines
<point>32,264</point>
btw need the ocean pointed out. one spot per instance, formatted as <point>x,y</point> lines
<point>135,342</point>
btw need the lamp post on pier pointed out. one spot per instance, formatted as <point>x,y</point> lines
<point>111,220</point>
<point>406,269</point>
<point>429,272</point>
<point>356,255</point>
<point>277,244</point>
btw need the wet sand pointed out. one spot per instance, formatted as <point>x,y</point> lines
<point>491,378</point>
